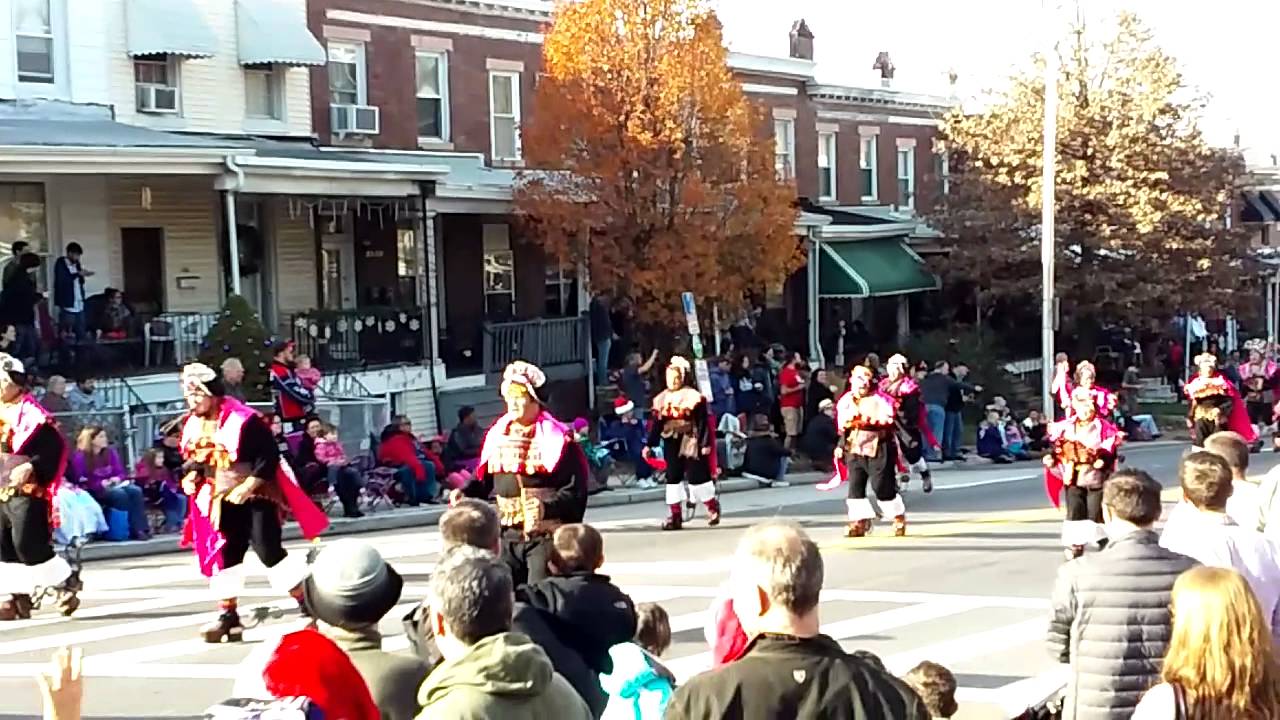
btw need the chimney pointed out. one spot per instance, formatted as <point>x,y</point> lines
<point>801,40</point>
<point>885,66</point>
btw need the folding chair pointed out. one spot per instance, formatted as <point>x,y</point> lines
<point>379,481</point>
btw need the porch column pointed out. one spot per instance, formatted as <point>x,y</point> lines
<point>815,329</point>
<point>233,240</point>
<point>428,288</point>
<point>904,321</point>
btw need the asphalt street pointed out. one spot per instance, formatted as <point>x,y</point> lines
<point>967,588</point>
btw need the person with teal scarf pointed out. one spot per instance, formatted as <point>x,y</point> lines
<point>640,686</point>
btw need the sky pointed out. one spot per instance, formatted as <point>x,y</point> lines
<point>1224,47</point>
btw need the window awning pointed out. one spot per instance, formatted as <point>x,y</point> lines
<point>168,27</point>
<point>1260,206</point>
<point>871,268</point>
<point>270,33</point>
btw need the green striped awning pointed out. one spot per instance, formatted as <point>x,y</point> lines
<point>871,268</point>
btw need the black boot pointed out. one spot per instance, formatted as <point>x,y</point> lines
<point>227,627</point>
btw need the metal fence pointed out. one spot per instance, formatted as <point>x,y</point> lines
<point>116,422</point>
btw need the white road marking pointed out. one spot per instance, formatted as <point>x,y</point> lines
<point>951,652</point>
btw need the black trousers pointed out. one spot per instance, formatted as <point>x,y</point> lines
<point>256,523</point>
<point>1083,503</point>
<point>694,471</point>
<point>25,535</point>
<point>527,558</point>
<point>880,471</point>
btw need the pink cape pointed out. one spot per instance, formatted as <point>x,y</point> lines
<point>31,416</point>
<point>904,387</point>
<point>550,434</point>
<point>199,532</point>
<point>1238,422</point>
<point>843,408</point>
<point>1101,435</point>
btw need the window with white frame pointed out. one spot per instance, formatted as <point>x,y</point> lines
<point>155,82</point>
<point>262,97</point>
<point>347,81</point>
<point>867,167</point>
<point>499,273</point>
<point>784,153</point>
<point>504,114</point>
<point>826,166</point>
<point>942,168</point>
<point>33,37</point>
<point>907,176</point>
<point>562,290</point>
<point>433,95</point>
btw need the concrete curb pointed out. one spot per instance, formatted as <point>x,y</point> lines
<point>424,518</point>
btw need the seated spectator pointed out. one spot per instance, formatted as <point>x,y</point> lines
<point>1035,432</point>
<point>1015,444</point>
<point>462,452</point>
<point>489,671</point>
<point>169,442</point>
<point>1221,661</point>
<point>80,516</point>
<point>306,476</point>
<point>640,686</point>
<point>162,489</point>
<point>1000,406</point>
<point>767,459</point>
<point>775,582</point>
<point>991,439</point>
<point>820,437</point>
<point>83,397</point>
<point>95,466</point>
<point>332,459</point>
<point>117,318</point>
<point>599,461</point>
<point>731,445</point>
<point>1110,610</point>
<point>433,452</point>
<point>1200,528</point>
<point>233,378</point>
<point>626,435</point>
<point>819,389</point>
<point>936,686</point>
<point>55,395</point>
<point>309,376</point>
<point>398,448</point>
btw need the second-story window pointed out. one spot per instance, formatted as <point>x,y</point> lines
<point>826,166</point>
<point>867,167</point>
<point>784,153</point>
<point>504,114</point>
<point>433,96</point>
<point>262,93</point>
<point>347,74</point>
<point>155,82</point>
<point>907,176</point>
<point>942,168</point>
<point>33,36</point>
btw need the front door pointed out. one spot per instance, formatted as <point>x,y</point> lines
<point>143,256</point>
<point>337,273</point>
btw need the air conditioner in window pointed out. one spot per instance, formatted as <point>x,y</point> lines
<point>157,99</point>
<point>353,119</point>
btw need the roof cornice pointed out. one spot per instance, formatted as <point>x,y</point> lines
<point>539,10</point>
<point>885,97</point>
<point>781,67</point>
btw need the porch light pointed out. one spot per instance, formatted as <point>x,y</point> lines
<point>146,197</point>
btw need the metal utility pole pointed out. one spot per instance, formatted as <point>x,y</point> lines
<point>1047,192</point>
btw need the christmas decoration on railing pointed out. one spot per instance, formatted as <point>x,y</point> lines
<point>334,208</point>
<point>317,325</point>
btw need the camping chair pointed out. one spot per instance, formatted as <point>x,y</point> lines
<point>313,481</point>
<point>379,481</point>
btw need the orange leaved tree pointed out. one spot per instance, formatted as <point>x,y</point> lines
<point>647,162</point>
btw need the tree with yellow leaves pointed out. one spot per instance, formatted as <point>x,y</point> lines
<point>647,161</point>
<point>1141,198</point>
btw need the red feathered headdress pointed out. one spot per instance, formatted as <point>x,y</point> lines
<point>308,664</point>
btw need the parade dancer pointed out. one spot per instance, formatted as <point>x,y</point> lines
<point>1215,403</point>
<point>33,461</point>
<point>1257,377</point>
<point>538,473</point>
<point>682,425</point>
<point>1086,378</point>
<point>867,453</point>
<point>1082,456</point>
<point>239,493</point>
<point>913,425</point>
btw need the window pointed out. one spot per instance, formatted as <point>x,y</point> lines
<point>562,290</point>
<point>907,177</point>
<point>867,167</point>
<point>33,36</point>
<point>407,264</point>
<point>826,166</point>
<point>504,114</point>
<point>433,96</point>
<point>784,153</point>
<point>346,74</point>
<point>942,168</point>
<point>155,80</point>
<point>262,93</point>
<point>499,273</point>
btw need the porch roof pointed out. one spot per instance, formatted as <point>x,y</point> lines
<point>31,145</point>
<point>282,168</point>
<point>468,185</point>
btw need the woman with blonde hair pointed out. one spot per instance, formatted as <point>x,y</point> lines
<point>1220,664</point>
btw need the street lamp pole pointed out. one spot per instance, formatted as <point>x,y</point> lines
<point>1047,191</point>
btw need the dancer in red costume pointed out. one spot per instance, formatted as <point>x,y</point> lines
<point>1257,377</point>
<point>682,425</point>
<point>33,456</point>
<point>1086,378</point>
<point>1215,403</point>
<point>913,424</point>
<point>1082,456</point>
<point>239,493</point>
<point>867,453</point>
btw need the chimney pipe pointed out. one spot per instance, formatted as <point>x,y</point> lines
<point>801,40</point>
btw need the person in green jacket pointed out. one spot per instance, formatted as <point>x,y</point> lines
<point>488,671</point>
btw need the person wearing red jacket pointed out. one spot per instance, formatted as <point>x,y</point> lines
<point>398,448</point>
<point>294,402</point>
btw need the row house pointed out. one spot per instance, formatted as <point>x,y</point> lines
<point>1257,209</point>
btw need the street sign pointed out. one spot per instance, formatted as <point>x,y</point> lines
<point>700,369</point>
